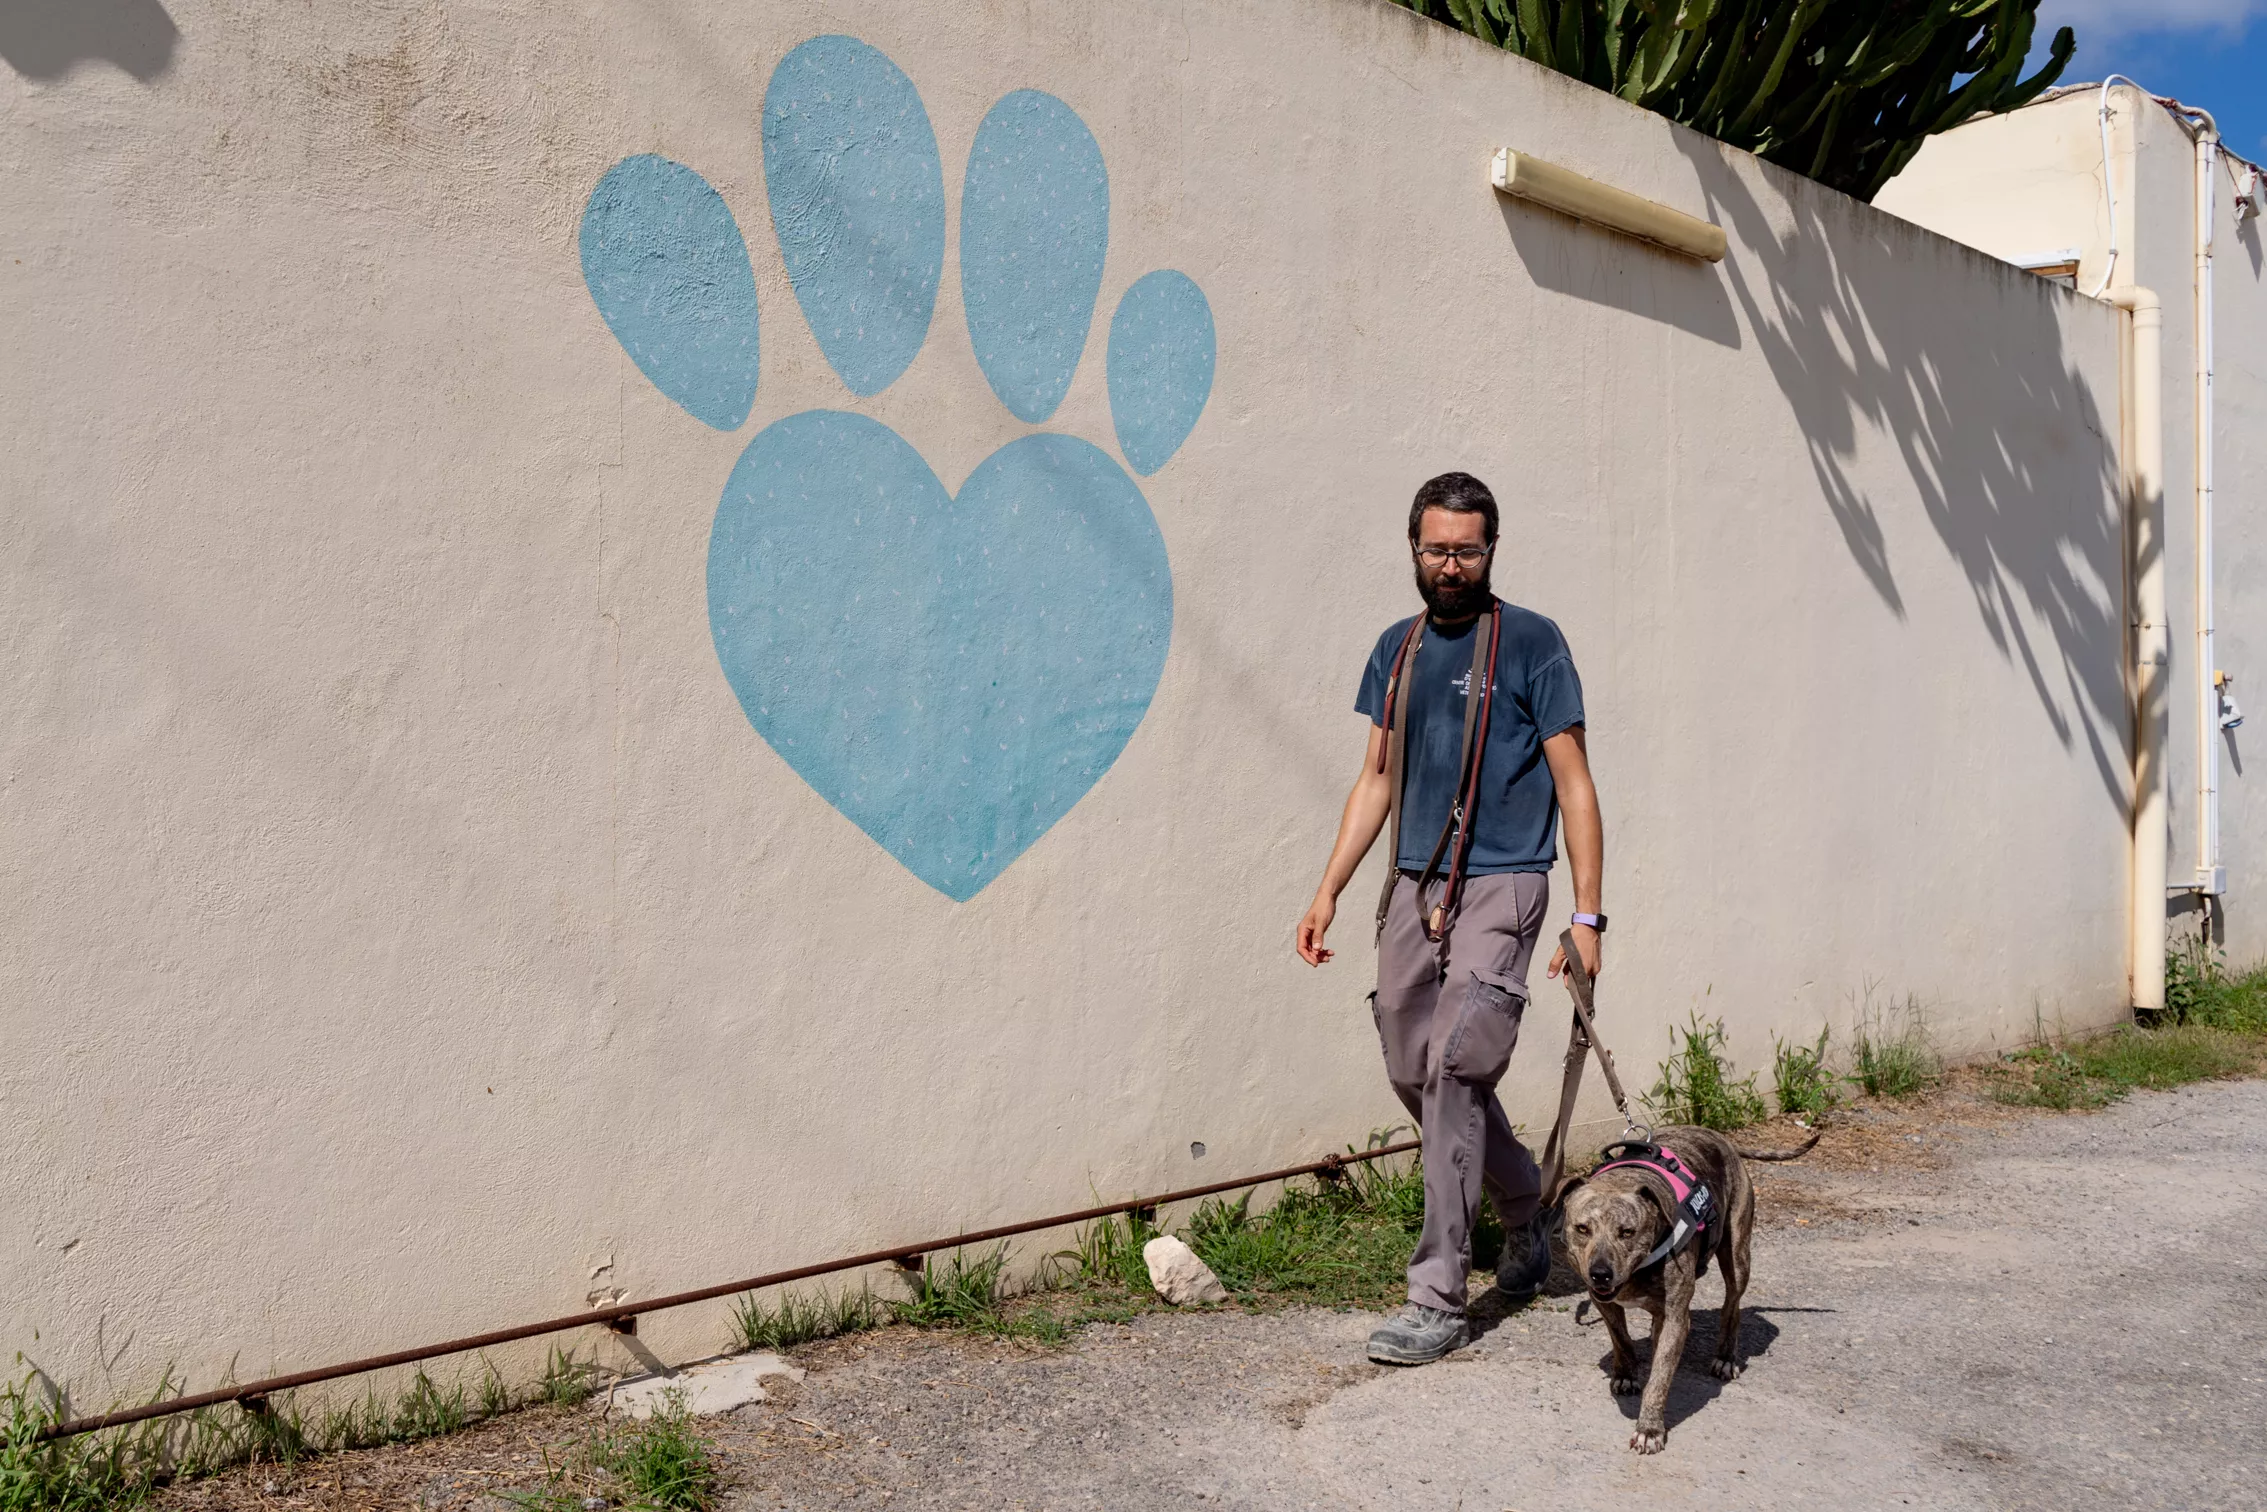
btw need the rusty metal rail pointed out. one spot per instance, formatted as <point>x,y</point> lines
<point>251,1392</point>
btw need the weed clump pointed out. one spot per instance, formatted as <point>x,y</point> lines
<point>662,1463</point>
<point>1696,1085</point>
<point>2045,1077</point>
<point>566,1381</point>
<point>2096,1072</point>
<point>799,1320</point>
<point>121,1467</point>
<point>2200,990</point>
<point>1343,1240</point>
<point>65,1475</point>
<point>972,1292</point>
<point>426,1411</point>
<point>495,1396</point>
<point>1892,1056</point>
<point>1110,1249</point>
<point>1800,1082</point>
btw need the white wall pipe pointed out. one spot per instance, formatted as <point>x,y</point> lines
<point>2145,494</point>
<point>2109,185</point>
<point>2209,874</point>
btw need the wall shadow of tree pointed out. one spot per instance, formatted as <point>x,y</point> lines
<point>46,39</point>
<point>2027,506</point>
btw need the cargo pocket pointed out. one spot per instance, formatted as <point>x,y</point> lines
<point>1487,1027</point>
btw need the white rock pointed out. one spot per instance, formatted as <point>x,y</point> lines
<point>1179,1276</point>
<point>711,1387</point>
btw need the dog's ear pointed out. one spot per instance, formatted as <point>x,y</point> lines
<point>1567,1188</point>
<point>1656,1191</point>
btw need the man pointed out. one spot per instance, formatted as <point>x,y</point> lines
<point>1475,792</point>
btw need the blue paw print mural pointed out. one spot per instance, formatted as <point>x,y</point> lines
<point>952,671</point>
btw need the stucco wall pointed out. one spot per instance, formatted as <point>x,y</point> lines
<point>403,927</point>
<point>2031,181</point>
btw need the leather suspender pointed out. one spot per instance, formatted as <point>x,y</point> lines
<point>1396,741</point>
<point>1455,840</point>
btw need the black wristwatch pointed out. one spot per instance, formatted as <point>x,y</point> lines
<point>1595,921</point>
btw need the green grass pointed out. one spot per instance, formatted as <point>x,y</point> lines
<point>70,1475</point>
<point>2046,1077</point>
<point>1302,1246</point>
<point>426,1411</point>
<point>794,1320</point>
<point>1696,1085</point>
<point>2214,1025</point>
<point>566,1381</point>
<point>495,1396</point>
<point>2168,1057</point>
<point>661,1463</point>
<point>1339,1242</point>
<point>1891,1055</point>
<point>121,1467</point>
<point>1110,1249</point>
<point>2096,1072</point>
<point>971,1292</point>
<point>2200,990</point>
<point>1800,1082</point>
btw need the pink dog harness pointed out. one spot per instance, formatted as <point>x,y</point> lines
<point>1695,1204</point>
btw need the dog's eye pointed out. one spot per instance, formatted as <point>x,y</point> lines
<point>1583,1229</point>
<point>1625,1233</point>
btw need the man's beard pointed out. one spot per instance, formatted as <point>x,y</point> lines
<point>1461,602</point>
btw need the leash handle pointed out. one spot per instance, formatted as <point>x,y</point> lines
<point>1582,987</point>
<point>1581,1040</point>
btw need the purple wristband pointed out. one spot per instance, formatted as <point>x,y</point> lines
<point>1595,921</point>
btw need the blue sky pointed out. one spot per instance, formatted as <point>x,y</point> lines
<point>2211,53</point>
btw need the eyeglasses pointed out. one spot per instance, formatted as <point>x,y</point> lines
<point>1466,556</point>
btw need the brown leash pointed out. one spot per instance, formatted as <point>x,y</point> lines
<point>1583,1040</point>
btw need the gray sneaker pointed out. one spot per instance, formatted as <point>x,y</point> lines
<point>1525,1263</point>
<point>1419,1336</point>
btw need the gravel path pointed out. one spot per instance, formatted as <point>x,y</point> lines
<point>1956,1306</point>
<point>2058,1312</point>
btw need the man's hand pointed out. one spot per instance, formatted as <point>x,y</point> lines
<point>1568,754</point>
<point>1587,942</point>
<point>1365,815</point>
<point>1314,926</point>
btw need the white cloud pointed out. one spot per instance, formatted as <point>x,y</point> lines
<point>2106,20</point>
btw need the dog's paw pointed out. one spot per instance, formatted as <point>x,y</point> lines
<point>1626,1385</point>
<point>1725,1370</point>
<point>1649,1440</point>
<point>956,759</point>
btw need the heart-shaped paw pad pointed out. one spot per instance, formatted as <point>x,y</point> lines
<point>962,684</point>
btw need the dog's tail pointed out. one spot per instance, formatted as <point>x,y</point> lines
<point>1795,1154</point>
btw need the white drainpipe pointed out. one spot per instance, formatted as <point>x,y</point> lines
<point>2211,876</point>
<point>2145,484</point>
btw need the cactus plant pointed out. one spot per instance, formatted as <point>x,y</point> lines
<point>1843,91</point>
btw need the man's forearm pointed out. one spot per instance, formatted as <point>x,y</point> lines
<point>1580,823</point>
<point>1586,850</point>
<point>1358,830</point>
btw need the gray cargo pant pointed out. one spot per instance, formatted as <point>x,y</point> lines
<point>1448,1027</point>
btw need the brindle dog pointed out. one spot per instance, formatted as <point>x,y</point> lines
<point>1614,1222</point>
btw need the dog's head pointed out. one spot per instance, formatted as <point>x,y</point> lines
<point>1612,1224</point>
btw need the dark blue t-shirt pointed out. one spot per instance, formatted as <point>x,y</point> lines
<point>1537,695</point>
